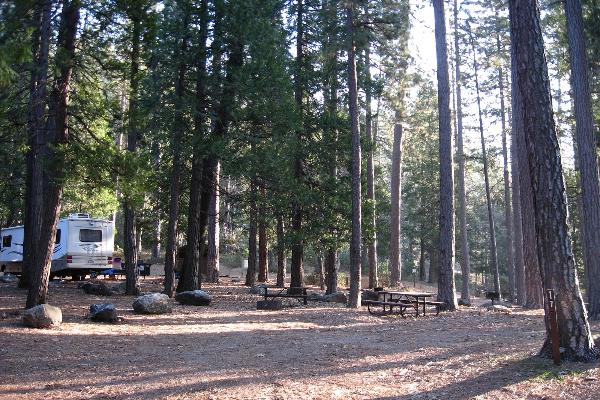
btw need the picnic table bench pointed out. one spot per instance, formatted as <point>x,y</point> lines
<point>401,301</point>
<point>291,292</point>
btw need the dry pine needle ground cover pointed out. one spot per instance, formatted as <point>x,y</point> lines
<point>321,351</point>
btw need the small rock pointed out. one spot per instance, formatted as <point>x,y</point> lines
<point>499,308</point>
<point>337,297</point>
<point>258,289</point>
<point>153,303</point>
<point>104,312</point>
<point>193,298</point>
<point>8,278</point>
<point>42,316</point>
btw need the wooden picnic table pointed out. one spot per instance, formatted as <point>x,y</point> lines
<point>389,300</point>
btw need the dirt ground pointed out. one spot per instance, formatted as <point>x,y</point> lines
<point>321,351</point>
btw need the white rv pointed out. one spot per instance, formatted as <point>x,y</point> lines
<point>82,245</point>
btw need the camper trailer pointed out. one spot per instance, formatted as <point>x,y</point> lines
<point>83,244</point>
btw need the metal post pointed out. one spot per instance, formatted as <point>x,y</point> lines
<point>554,336</point>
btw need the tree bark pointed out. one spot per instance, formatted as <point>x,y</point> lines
<point>36,138</point>
<point>190,273</point>
<point>396,199</point>
<point>586,152</point>
<point>372,241</point>
<point>252,230</point>
<point>214,217</point>
<point>557,266</point>
<point>129,229</point>
<point>492,228</point>
<point>446,273</point>
<point>54,165</point>
<point>465,265</point>
<point>508,218</point>
<point>297,267</point>
<point>516,132</point>
<point>263,265</point>
<point>171,248</point>
<point>355,243</point>
<point>281,257</point>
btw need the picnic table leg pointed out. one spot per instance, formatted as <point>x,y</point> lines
<point>305,300</point>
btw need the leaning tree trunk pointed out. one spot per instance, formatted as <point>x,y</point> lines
<point>556,261</point>
<point>281,257</point>
<point>372,241</point>
<point>465,265</point>
<point>587,157</point>
<point>129,234</point>
<point>446,273</point>
<point>36,139</point>
<point>355,243</point>
<point>508,218</point>
<point>54,163</point>
<point>174,186</point>
<point>396,199</point>
<point>486,177</point>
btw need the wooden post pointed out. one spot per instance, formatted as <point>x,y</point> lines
<point>554,337</point>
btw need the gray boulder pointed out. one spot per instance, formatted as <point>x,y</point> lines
<point>104,312</point>
<point>337,297</point>
<point>97,288</point>
<point>258,289</point>
<point>153,303</point>
<point>194,298</point>
<point>316,297</point>
<point>8,278</point>
<point>42,316</point>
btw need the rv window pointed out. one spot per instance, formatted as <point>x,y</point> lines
<point>57,240</point>
<point>90,235</point>
<point>7,241</point>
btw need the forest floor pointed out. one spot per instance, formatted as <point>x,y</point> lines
<point>321,351</point>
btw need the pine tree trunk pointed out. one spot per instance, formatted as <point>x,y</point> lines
<point>465,264</point>
<point>321,271</point>
<point>492,228</point>
<point>171,248</point>
<point>331,271</point>
<point>252,259</point>
<point>557,266</point>
<point>422,259</point>
<point>518,243</point>
<point>372,241</point>
<point>396,200</point>
<point>263,266</point>
<point>586,151</point>
<point>297,267</point>
<point>446,272</point>
<point>36,139</point>
<point>355,243</point>
<point>281,257</point>
<point>214,217</point>
<point>129,229</point>
<point>508,218</point>
<point>54,165</point>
